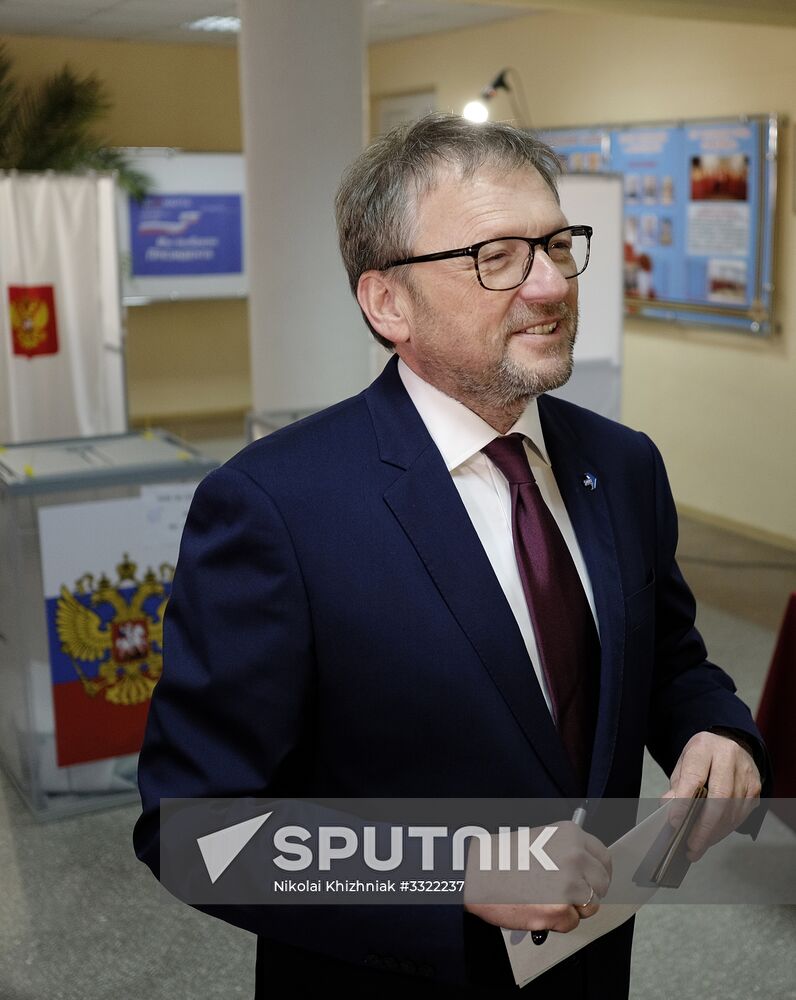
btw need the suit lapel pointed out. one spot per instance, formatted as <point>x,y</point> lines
<point>431,513</point>
<point>589,513</point>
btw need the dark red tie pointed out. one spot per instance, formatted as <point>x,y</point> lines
<point>566,637</point>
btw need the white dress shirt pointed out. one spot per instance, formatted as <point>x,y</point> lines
<point>460,434</point>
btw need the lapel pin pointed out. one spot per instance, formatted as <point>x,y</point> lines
<point>589,480</point>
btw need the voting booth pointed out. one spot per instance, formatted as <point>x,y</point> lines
<point>90,531</point>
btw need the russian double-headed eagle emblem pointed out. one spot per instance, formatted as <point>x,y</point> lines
<point>117,649</point>
<point>34,329</point>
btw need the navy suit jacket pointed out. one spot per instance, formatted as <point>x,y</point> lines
<point>335,629</point>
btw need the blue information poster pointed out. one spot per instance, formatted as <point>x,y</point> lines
<point>186,234</point>
<point>721,213</point>
<point>698,215</point>
<point>581,150</point>
<point>655,178</point>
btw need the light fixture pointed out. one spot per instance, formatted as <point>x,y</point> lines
<point>228,24</point>
<point>477,111</point>
<point>499,83</point>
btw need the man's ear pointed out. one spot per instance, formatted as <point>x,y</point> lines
<point>385,302</point>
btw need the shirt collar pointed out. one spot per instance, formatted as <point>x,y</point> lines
<point>456,430</point>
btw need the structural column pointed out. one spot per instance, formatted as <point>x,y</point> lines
<point>303,98</point>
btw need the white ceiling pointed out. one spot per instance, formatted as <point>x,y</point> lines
<point>386,20</point>
<point>163,20</point>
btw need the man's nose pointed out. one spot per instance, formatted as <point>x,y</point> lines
<point>545,282</point>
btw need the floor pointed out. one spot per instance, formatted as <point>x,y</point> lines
<point>81,919</point>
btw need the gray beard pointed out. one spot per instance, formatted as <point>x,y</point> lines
<point>508,387</point>
<point>511,384</point>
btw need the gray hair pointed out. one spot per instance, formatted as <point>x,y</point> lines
<point>376,201</point>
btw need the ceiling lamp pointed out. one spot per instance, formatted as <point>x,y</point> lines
<point>477,111</point>
<point>229,24</point>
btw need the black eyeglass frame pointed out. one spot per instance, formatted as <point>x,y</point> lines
<point>475,249</point>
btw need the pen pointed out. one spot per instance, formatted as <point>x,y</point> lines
<point>578,818</point>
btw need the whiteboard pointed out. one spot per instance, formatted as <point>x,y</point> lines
<point>193,174</point>
<point>596,200</point>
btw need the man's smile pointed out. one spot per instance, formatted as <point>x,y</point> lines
<point>541,329</point>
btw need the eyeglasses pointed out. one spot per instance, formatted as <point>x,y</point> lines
<point>504,263</point>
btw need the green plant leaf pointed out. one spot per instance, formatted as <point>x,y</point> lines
<point>49,127</point>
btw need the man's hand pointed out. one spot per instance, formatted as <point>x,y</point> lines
<point>535,899</point>
<point>733,784</point>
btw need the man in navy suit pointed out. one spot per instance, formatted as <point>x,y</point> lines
<point>351,613</point>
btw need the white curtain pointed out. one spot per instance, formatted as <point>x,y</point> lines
<point>59,264</point>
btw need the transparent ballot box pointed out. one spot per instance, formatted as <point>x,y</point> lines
<point>89,536</point>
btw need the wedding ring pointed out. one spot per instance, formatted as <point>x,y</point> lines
<point>582,906</point>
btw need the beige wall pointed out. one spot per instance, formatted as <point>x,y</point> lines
<point>721,406</point>
<point>187,359</point>
<point>162,95</point>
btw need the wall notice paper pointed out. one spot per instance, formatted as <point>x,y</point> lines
<point>529,960</point>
